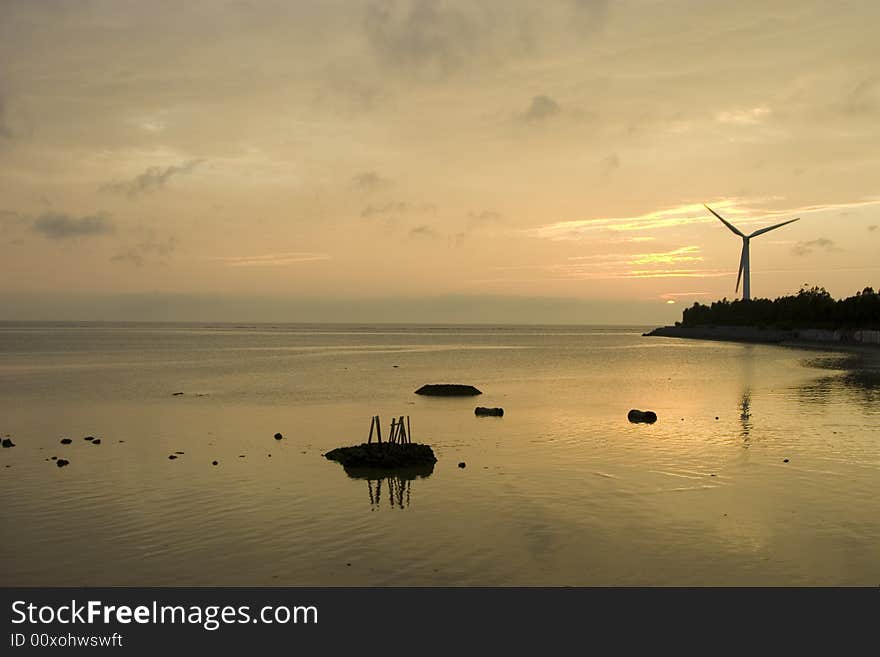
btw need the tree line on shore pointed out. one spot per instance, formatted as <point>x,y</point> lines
<point>811,307</point>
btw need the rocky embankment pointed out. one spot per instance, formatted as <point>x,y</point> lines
<point>828,337</point>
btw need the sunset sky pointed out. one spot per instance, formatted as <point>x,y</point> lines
<point>431,161</point>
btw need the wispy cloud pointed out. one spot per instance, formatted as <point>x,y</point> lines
<point>271,259</point>
<point>423,231</point>
<point>741,211</point>
<point>151,180</point>
<point>745,117</point>
<point>369,181</point>
<point>395,208</point>
<point>59,226</point>
<point>541,108</point>
<point>806,248</point>
<point>142,252</point>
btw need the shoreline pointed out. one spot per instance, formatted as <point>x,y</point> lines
<point>865,342</point>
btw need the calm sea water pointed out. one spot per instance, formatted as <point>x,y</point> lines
<point>560,491</point>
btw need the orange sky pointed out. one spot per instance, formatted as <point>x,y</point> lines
<point>261,153</point>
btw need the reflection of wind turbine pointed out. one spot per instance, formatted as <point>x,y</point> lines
<point>744,273</point>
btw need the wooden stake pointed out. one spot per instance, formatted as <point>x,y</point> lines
<point>408,430</point>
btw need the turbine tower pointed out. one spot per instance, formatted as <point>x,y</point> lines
<point>744,272</point>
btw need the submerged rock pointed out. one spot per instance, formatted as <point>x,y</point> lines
<point>386,455</point>
<point>61,462</point>
<point>7,442</point>
<point>482,411</point>
<point>448,390</point>
<point>648,417</point>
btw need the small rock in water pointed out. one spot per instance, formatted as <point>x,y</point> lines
<point>178,452</point>
<point>61,462</point>
<point>89,438</point>
<point>54,458</point>
<point>66,441</point>
<point>278,436</point>
<point>176,394</point>
<point>241,456</point>
<point>96,441</point>
<point>171,457</point>
<point>7,442</point>
<point>213,462</point>
<point>636,416</point>
<point>785,460</point>
<point>448,390</point>
<point>482,411</point>
<point>716,417</point>
<point>269,455</point>
<point>462,464</point>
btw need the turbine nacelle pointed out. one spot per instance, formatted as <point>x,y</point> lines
<point>744,272</point>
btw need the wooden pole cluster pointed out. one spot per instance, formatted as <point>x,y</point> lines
<point>401,431</point>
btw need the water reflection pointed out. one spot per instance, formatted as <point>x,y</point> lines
<point>395,485</point>
<point>745,414</point>
<point>858,381</point>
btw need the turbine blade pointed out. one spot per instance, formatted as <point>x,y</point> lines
<point>742,265</point>
<point>769,228</point>
<point>724,221</point>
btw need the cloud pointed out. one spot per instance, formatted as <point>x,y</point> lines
<point>139,254</point>
<point>610,164</point>
<point>395,208</point>
<point>150,180</point>
<point>681,262</point>
<point>423,231</point>
<point>271,259</point>
<point>541,109</point>
<point>59,226</point>
<point>806,248</point>
<point>744,117</point>
<point>741,211</point>
<point>5,130</point>
<point>421,34</point>
<point>434,38</point>
<point>369,181</point>
<point>865,97</point>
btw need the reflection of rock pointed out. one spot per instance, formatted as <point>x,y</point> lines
<point>448,390</point>
<point>386,455</point>
<point>636,415</point>
<point>482,411</point>
<point>407,473</point>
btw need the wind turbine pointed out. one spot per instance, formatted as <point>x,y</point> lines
<point>744,259</point>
